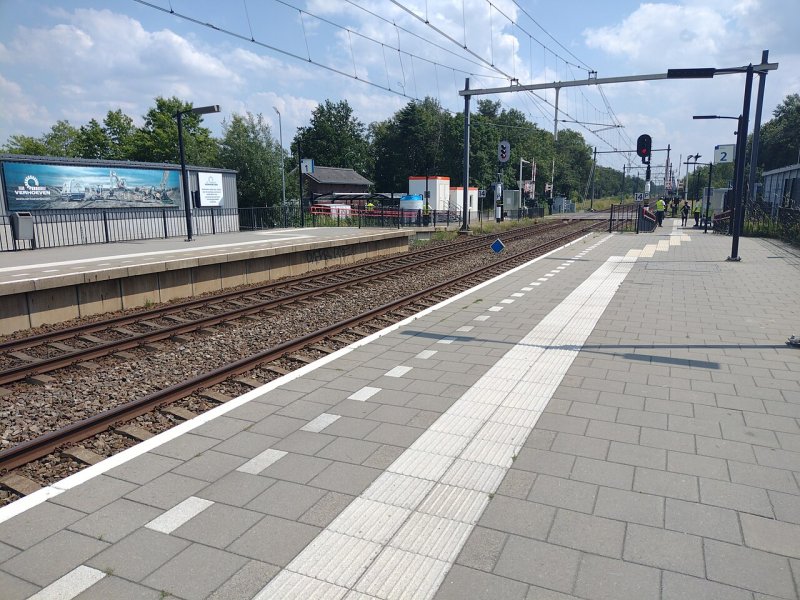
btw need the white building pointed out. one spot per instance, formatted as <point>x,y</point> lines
<point>439,188</point>
<point>457,199</point>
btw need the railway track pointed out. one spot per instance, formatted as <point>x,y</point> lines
<point>325,337</point>
<point>47,351</point>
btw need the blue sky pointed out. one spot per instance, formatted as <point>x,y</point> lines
<point>76,60</point>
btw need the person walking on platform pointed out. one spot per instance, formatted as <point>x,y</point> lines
<point>696,213</point>
<point>660,208</point>
<point>684,213</point>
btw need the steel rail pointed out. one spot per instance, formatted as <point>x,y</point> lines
<point>80,430</point>
<point>49,364</point>
<point>177,307</point>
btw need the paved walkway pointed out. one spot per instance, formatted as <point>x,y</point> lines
<point>617,420</point>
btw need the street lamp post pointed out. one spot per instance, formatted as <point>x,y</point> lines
<point>737,219</point>
<point>283,170</point>
<point>201,110</point>
<point>522,161</point>
<point>690,160</point>
<point>697,183</point>
<point>708,197</point>
<point>693,158</point>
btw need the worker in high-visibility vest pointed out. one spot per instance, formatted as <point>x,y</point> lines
<point>698,207</point>
<point>661,206</point>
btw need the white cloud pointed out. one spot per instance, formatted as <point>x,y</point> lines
<point>655,33</point>
<point>19,110</point>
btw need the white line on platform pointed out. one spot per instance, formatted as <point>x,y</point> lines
<point>364,394</point>
<point>140,254</point>
<point>179,514</point>
<point>398,371</point>
<point>320,423</point>
<point>70,585</point>
<point>258,463</point>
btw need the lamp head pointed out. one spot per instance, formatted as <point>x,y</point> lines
<point>204,110</point>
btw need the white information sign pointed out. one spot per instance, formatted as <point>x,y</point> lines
<point>723,154</point>
<point>307,165</point>
<point>210,186</point>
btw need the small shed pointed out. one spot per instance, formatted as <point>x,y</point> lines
<point>438,190</point>
<point>457,199</point>
<point>333,180</point>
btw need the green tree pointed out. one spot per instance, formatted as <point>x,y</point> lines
<point>25,144</point>
<point>61,140</point>
<point>334,138</point>
<point>92,141</point>
<point>157,139</point>
<point>247,145</point>
<point>780,136</point>
<point>421,138</point>
<point>573,164</point>
<point>120,131</point>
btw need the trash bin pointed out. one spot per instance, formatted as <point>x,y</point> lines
<point>22,225</point>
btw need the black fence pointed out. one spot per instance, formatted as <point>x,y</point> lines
<point>763,220</point>
<point>53,228</point>
<point>631,218</point>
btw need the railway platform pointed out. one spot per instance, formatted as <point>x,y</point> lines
<point>616,420</point>
<point>53,285</point>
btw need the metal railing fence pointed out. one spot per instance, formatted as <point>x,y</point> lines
<point>631,218</point>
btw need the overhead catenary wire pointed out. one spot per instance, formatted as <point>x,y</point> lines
<point>307,59</point>
<point>423,39</point>
<point>473,58</point>
<point>488,63</point>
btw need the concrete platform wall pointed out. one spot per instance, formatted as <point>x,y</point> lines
<point>53,300</point>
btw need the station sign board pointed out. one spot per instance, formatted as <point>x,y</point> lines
<point>724,154</point>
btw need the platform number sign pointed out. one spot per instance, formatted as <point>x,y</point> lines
<point>504,151</point>
<point>724,154</point>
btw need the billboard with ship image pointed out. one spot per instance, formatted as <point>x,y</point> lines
<point>37,186</point>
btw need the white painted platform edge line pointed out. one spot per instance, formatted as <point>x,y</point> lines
<point>154,253</point>
<point>70,585</point>
<point>12,510</point>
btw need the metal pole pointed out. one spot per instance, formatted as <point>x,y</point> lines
<point>555,117</point>
<point>666,171</point>
<point>697,186</point>
<point>283,169</point>
<point>184,180</point>
<point>708,198</point>
<point>464,225</point>
<point>741,145</point>
<point>300,172</point>
<point>751,182</point>
<point>594,167</point>
<point>623,183</point>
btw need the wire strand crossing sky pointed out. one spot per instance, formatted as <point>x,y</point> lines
<point>78,59</point>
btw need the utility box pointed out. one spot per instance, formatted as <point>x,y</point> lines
<point>22,225</point>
